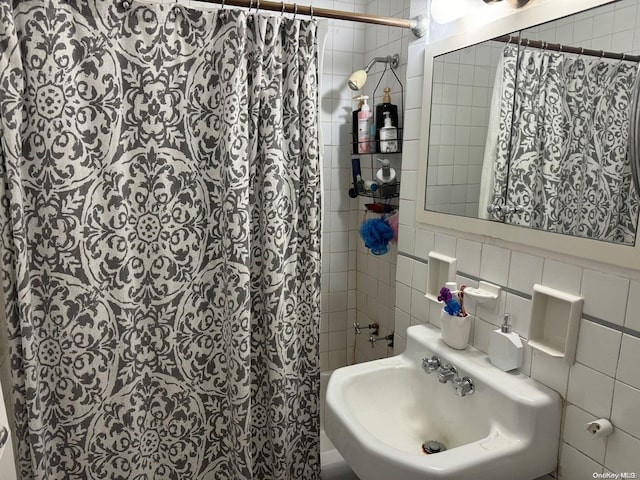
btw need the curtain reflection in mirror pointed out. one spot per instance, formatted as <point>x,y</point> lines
<point>566,169</point>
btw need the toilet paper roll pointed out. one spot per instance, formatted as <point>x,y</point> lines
<point>599,428</point>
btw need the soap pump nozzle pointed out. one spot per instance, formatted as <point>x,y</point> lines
<point>385,167</point>
<point>387,119</point>
<point>506,327</point>
<point>363,102</point>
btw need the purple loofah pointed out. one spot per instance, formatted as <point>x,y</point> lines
<point>377,233</point>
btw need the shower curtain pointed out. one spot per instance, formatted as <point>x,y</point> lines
<point>160,240</point>
<point>495,168</point>
<point>568,169</point>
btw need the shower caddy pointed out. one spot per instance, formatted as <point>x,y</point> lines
<point>384,191</point>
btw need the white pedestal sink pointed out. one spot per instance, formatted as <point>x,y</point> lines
<point>378,415</point>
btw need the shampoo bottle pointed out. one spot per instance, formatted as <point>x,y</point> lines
<point>365,117</point>
<point>388,136</point>
<point>381,109</point>
<point>505,347</point>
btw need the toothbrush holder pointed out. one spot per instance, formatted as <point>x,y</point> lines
<point>455,330</point>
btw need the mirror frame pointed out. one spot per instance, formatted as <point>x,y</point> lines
<point>627,257</point>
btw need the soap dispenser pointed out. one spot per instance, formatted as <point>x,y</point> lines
<point>505,347</point>
<point>388,136</point>
<point>385,173</point>
<point>381,109</point>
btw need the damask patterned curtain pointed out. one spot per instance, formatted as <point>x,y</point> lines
<point>160,240</point>
<point>568,169</point>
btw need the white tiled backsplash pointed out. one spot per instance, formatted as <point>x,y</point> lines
<point>605,380</point>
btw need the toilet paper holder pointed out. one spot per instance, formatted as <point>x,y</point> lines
<point>599,428</point>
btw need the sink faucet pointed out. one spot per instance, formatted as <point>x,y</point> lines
<point>447,373</point>
<point>430,365</point>
<point>464,386</point>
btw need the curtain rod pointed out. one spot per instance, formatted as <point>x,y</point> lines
<point>417,26</point>
<point>556,47</point>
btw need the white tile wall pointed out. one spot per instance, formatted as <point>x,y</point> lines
<point>344,52</point>
<point>612,27</point>
<point>590,390</point>
<point>378,292</point>
<point>598,286</point>
<point>626,409</point>
<point>622,452</point>
<point>524,271</point>
<point>461,97</point>
<point>575,465</point>
<point>632,319</point>
<point>598,347</point>
<point>604,381</point>
<point>578,437</point>
<point>553,372</point>
<point>628,370</point>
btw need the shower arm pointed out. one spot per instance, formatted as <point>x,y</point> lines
<point>393,61</point>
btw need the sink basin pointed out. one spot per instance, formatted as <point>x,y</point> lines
<point>378,415</point>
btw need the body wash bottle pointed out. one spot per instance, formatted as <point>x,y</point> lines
<point>505,347</point>
<point>388,136</point>
<point>381,109</point>
<point>365,117</point>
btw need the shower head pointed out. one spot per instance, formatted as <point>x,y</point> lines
<point>359,78</point>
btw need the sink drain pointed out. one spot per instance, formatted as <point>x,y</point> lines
<point>433,446</point>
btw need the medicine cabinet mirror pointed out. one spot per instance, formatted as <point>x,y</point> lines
<point>526,123</point>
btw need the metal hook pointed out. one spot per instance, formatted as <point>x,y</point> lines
<point>250,5</point>
<point>624,56</point>
<point>311,6</point>
<point>295,10</point>
<point>258,7</point>
<point>282,12</point>
<point>601,53</point>
<point>509,39</point>
<point>221,8</point>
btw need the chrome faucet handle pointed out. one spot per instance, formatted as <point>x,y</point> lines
<point>357,328</point>
<point>464,386</point>
<point>447,373</point>
<point>430,365</point>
